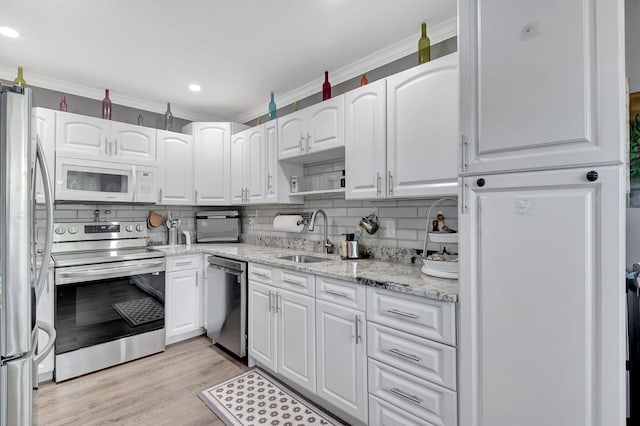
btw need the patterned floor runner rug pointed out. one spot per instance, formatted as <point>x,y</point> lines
<point>255,398</point>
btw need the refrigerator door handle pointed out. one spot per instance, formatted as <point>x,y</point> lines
<point>46,254</point>
<point>42,353</point>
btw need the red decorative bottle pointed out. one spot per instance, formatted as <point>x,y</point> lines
<point>326,87</point>
<point>106,106</point>
<point>63,104</point>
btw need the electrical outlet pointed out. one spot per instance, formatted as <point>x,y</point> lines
<point>390,226</point>
<point>251,221</point>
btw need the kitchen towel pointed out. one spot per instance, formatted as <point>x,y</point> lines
<point>288,223</point>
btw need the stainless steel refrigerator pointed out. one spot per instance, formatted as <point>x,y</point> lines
<point>22,279</point>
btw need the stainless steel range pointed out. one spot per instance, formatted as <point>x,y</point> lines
<point>109,301</point>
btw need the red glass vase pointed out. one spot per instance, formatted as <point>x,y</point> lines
<point>326,87</point>
<point>106,106</point>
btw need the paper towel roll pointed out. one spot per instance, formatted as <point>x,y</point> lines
<point>288,223</point>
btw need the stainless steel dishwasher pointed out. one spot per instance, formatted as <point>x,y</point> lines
<point>227,304</point>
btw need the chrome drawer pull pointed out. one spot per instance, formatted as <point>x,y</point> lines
<point>183,263</point>
<point>404,354</point>
<point>293,282</point>
<point>336,293</point>
<point>411,398</point>
<point>403,314</point>
<point>261,274</point>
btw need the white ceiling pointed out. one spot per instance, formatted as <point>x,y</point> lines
<point>237,50</point>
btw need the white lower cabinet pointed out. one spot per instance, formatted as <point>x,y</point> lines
<point>342,354</point>
<point>383,413</point>
<point>282,333</point>
<point>184,298</point>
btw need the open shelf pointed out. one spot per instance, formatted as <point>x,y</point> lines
<point>320,191</point>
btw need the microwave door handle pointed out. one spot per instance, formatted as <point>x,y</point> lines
<point>46,254</point>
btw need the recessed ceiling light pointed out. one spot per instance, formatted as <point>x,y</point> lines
<point>9,32</point>
<point>194,87</point>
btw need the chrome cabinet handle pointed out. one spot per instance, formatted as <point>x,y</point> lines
<point>404,354</point>
<point>463,153</point>
<point>404,395</point>
<point>308,142</point>
<point>248,196</point>
<point>269,183</point>
<point>196,195</point>
<point>160,195</point>
<point>358,330</point>
<point>293,282</point>
<point>301,140</point>
<point>106,146</point>
<point>378,184</point>
<point>197,278</point>
<point>336,293</point>
<point>278,303</point>
<point>116,147</point>
<point>402,314</point>
<point>390,183</point>
<point>270,304</point>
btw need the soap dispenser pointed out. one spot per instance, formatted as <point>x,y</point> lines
<point>350,247</point>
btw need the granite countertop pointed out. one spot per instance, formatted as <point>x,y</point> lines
<point>394,276</point>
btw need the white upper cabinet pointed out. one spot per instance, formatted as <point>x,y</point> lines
<point>255,165</point>
<point>175,152</point>
<point>135,144</point>
<point>318,129</point>
<point>45,120</point>
<point>542,342</point>
<point>545,91</point>
<point>82,136</point>
<point>238,159</point>
<point>422,129</point>
<point>79,136</point>
<point>272,165</point>
<point>212,162</point>
<point>366,141</point>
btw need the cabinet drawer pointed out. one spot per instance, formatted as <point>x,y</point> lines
<point>383,413</point>
<point>261,273</point>
<point>298,282</point>
<point>341,292</point>
<point>423,399</point>
<point>182,263</point>
<point>415,355</point>
<point>417,315</point>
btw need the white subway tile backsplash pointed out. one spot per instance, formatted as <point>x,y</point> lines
<point>398,212</point>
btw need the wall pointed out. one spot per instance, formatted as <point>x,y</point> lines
<point>437,50</point>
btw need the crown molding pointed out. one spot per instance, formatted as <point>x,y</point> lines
<point>437,33</point>
<point>39,80</point>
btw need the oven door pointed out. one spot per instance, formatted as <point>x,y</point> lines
<point>86,180</point>
<point>104,302</point>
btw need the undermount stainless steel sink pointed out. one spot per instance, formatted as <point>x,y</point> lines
<point>302,258</point>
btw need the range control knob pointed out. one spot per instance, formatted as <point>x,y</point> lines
<point>139,228</point>
<point>60,230</point>
<point>73,229</point>
<point>129,228</point>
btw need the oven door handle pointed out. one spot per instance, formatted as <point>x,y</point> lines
<point>86,272</point>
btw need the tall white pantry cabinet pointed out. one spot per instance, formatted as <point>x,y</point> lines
<point>542,134</point>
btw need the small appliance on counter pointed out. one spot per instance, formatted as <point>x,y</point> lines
<point>350,247</point>
<point>221,226</point>
<point>172,230</point>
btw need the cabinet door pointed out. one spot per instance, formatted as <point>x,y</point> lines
<point>542,85</point>
<point>262,324</point>
<point>45,120</point>
<point>182,303</point>
<point>325,125</point>
<point>176,164</point>
<point>342,357</point>
<point>543,321</point>
<point>238,159</point>
<point>297,339</point>
<point>291,128</point>
<point>366,141</point>
<point>271,156</point>
<point>133,144</point>
<point>255,176</point>
<point>45,314</point>
<point>80,136</point>
<point>422,130</point>
<point>212,163</point>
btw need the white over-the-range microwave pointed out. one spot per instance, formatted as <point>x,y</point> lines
<point>87,180</point>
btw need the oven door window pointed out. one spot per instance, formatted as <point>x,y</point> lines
<point>95,312</point>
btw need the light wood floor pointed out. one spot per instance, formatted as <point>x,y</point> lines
<point>157,390</point>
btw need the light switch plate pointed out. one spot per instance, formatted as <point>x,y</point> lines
<point>390,226</point>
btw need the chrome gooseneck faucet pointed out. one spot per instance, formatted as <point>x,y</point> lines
<point>326,244</point>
